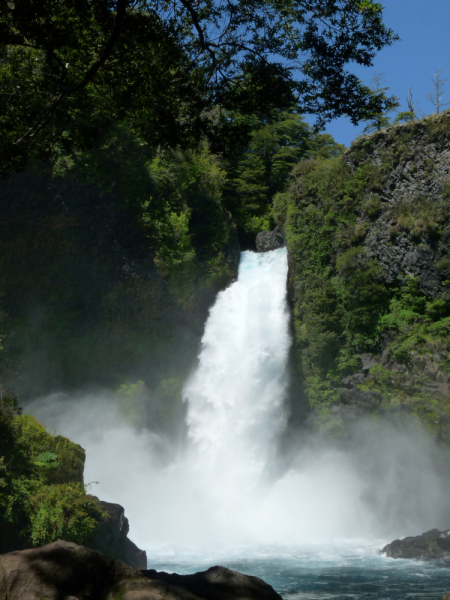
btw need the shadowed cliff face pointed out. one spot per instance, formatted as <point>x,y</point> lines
<point>368,237</point>
<point>85,301</point>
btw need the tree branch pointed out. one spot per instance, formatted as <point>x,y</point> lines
<point>120,14</point>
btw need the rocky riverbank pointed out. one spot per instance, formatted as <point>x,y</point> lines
<point>67,570</point>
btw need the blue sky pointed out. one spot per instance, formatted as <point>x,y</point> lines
<point>424,29</point>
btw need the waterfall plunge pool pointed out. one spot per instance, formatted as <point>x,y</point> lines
<point>341,570</point>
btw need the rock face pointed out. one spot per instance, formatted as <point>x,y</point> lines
<point>433,544</point>
<point>64,570</point>
<point>415,180</point>
<point>112,539</point>
<point>270,240</point>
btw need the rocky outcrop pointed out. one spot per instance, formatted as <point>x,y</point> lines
<point>423,374</point>
<point>351,395</point>
<point>410,234</point>
<point>64,570</point>
<point>270,240</point>
<point>431,545</point>
<point>111,537</point>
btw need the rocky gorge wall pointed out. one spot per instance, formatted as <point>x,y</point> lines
<point>368,236</point>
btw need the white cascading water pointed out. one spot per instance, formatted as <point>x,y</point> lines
<point>235,398</point>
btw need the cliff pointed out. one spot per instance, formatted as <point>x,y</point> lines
<point>368,236</point>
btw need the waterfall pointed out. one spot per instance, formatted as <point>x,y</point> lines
<point>235,398</point>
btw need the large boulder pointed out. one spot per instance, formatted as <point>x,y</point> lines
<point>217,583</point>
<point>433,544</point>
<point>270,240</point>
<point>111,537</point>
<point>64,570</point>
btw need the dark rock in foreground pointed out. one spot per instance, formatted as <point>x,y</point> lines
<point>111,538</point>
<point>270,240</point>
<point>431,545</point>
<point>64,570</point>
<point>217,583</point>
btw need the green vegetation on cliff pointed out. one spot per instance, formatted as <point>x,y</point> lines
<point>368,235</point>
<point>42,493</point>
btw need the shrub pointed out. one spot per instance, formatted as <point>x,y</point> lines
<point>420,217</point>
<point>63,512</point>
<point>372,206</point>
<point>352,259</point>
<point>443,266</point>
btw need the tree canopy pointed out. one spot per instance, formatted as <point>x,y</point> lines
<point>68,68</point>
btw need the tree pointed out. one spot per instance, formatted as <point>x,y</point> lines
<point>409,115</point>
<point>377,115</point>
<point>436,96</point>
<point>261,167</point>
<point>69,68</point>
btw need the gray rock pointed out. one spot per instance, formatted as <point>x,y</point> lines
<point>111,538</point>
<point>368,361</point>
<point>437,388</point>
<point>270,240</point>
<point>433,544</point>
<point>385,356</point>
<point>430,370</point>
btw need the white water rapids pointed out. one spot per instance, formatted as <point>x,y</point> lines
<point>226,486</point>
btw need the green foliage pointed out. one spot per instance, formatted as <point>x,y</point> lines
<point>342,302</point>
<point>62,512</point>
<point>175,196</point>
<point>42,496</point>
<point>421,217</point>
<point>446,192</point>
<point>350,261</point>
<point>443,266</point>
<point>47,460</point>
<point>372,206</point>
<point>377,122</point>
<point>260,169</point>
<point>405,117</point>
<point>70,70</point>
<point>340,294</point>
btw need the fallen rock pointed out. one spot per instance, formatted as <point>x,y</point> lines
<point>431,545</point>
<point>368,361</point>
<point>270,240</point>
<point>64,570</point>
<point>111,538</point>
